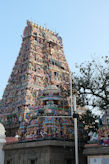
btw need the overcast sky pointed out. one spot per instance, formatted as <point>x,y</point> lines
<point>83,25</point>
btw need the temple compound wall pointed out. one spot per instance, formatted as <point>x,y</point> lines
<point>41,152</point>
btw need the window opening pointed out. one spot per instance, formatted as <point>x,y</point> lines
<point>69,161</point>
<point>32,161</point>
<point>8,162</point>
<point>55,73</point>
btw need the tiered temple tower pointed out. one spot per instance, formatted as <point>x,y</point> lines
<point>51,121</point>
<point>41,62</point>
<point>36,94</point>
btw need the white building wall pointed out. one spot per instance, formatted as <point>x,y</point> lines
<point>104,159</point>
<point>2,142</point>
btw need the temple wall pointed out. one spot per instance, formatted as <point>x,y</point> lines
<point>41,152</point>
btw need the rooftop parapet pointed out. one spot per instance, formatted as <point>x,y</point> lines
<point>36,30</point>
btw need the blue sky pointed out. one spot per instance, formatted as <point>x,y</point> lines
<point>83,25</point>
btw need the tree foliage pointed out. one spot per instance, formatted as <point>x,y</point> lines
<point>92,82</point>
<point>90,123</point>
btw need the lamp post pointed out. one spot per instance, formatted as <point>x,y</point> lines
<point>74,114</point>
<point>75,131</point>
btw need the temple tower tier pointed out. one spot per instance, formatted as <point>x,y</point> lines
<point>41,62</point>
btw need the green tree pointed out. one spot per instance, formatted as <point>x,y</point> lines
<point>92,82</point>
<point>90,123</point>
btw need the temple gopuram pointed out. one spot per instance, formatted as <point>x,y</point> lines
<point>50,121</point>
<point>41,62</point>
<point>36,102</point>
<point>103,131</point>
